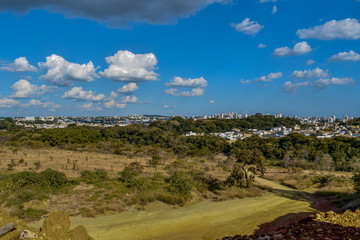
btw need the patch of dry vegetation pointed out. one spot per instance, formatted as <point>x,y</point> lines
<point>119,189</point>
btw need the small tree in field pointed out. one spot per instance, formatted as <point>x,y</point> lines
<point>180,182</point>
<point>155,161</point>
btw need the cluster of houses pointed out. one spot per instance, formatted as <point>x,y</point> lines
<point>319,132</point>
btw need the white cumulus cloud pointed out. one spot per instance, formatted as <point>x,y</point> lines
<point>299,49</point>
<point>8,103</point>
<point>189,83</point>
<point>310,62</point>
<point>348,28</point>
<point>194,92</point>
<point>24,89</point>
<point>98,98</point>
<point>261,45</point>
<point>290,87</point>
<point>326,82</point>
<point>77,93</point>
<point>20,64</point>
<point>270,77</point>
<point>128,99</point>
<point>60,72</point>
<point>112,103</point>
<point>248,27</point>
<point>129,67</point>
<point>128,89</point>
<point>310,74</point>
<point>346,56</point>
<point>41,104</point>
<point>243,81</point>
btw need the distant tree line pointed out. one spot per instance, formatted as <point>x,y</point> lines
<point>295,150</point>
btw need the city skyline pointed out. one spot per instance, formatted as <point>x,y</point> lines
<point>296,57</point>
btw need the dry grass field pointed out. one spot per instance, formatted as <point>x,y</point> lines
<point>73,162</point>
<point>69,162</point>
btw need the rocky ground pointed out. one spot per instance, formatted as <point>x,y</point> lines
<point>322,226</point>
<point>55,227</point>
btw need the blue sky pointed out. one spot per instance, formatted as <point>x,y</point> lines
<point>172,57</point>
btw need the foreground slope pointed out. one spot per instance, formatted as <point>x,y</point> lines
<point>203,220</point>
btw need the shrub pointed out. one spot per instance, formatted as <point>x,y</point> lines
<point>180,182</point>
<point>236,178</point>
<point>53,178</point>
<point>48,178</point>
<point>155,161</point>
<point>94,176</point>
<point>131,171</point>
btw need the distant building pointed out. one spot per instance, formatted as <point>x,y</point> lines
<point>30,119</point>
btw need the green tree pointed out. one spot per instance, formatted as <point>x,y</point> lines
<point>131,171</point>
<point>180,182</point>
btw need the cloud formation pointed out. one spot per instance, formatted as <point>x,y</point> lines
<point>248,27</point>
<point>128,89</point>
<point>270,77</point>
<point>77,93</point>
<point>112,103</point>
<point>243,81</point>
<point>24,89</point>
<point>310,62</point>
<point>274,10</point>
<point>299,49</point>
<point>346,56</point>
<point>348,28</point>
<point>326,82</point>
<point>189,83</point>
<point>90,106</point>
<point>261,45</point>
<point>41,104</point>
<point>115,13</point>
<point>128,99</point>
<point>8,103</point>
<point>290,87</point>
<point>20,64</point>
<point>310,74</point>
<point>60,72</point>
<point>129,67</point>
<point>194,92</point>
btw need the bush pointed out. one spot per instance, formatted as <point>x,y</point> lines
<point>48,178</point>
<point>92,177</point>
<point>180,182</point>
<point>236,178</point>
<point>131,171</point>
